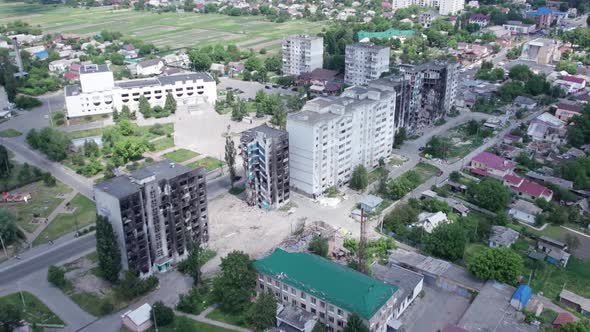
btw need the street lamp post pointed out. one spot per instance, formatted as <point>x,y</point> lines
<point>4,247</point>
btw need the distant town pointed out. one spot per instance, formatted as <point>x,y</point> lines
<point>293,166</point>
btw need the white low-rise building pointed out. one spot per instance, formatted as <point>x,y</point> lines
<point>429,221</point>
<point>99,93</point>
<point>149,67</point>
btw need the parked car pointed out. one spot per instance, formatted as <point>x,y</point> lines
<point>267,87</point>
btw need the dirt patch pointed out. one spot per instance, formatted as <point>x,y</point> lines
<point>267,44</point>
<point>250,41</point>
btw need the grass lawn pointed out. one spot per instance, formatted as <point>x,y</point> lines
<point>66,223</point>
<point>180,155</point>
<point>376,174</point>
<point>44,201</point>
<point>185,321</point>
<point>233,319</point>
<point>460,143</point>
<point>167,128</point>
<point>162,29</point>
<point>426,171</point>
<point>85,133</point>
<point>396,161</point>
<point>35,310</point>
<point>209,163</point>
<point>163,143</point>
<point>10,133</point>
<point>551,279</point>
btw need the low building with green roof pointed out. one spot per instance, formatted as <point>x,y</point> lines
<point>326,289</point>
<point>388,34</point>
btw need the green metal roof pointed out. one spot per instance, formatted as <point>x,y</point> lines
<point>389,33</point>
<point>329,281</point>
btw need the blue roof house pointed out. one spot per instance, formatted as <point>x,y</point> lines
<point>521,297</point>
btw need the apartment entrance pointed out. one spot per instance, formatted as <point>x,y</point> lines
<point>163,267</point>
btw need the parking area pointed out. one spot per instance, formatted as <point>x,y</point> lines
<point>434,310</point>
<point>249,88</point>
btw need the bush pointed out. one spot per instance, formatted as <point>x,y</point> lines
<point>131,287</point>
<point>319,246</point>
<point>193,301</point>
<point>162,314</point>
<point>106,307</point>
<point>26,102</point>
<point>157,129</point>
<point>56,276</point>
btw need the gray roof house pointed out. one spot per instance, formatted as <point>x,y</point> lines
<point>524,211</point>
<point>502,237</point>
<point>524,102</point>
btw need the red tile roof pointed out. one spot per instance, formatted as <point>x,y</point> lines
<point>493,161</point>
<point>513,180</point>
<point>533,189</point>
<point>71,75</point>
<point>512,137</point>
<point>563,318</point>
<point>478,171</point>
<point>573,79</point>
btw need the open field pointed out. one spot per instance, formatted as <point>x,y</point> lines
<point>180,155</point>
<point>171,29</point>
<point>64,223</point>
<point>36,312</point>
<point>45,200</point>
<point>209,163</point>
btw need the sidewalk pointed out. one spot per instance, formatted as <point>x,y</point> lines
<point>201,318</point>
<point>59,209</point>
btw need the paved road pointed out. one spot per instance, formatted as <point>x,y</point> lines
<point>250,88</point>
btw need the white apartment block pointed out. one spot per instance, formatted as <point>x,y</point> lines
<point>445,7</point>
<point>99,93</point>
<point>302,54</point>
<point>365,62</point>
<point>330,136</point>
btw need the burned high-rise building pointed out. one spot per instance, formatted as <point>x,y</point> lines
<point>156,212</point>
<point>265,152</point>
<point>425,93</point>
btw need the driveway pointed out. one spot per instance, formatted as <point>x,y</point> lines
<point>434,310</point>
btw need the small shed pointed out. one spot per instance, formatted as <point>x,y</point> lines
<point>562,319</point>
<point>521,297</point>
<point>138,320</point>
<point>370,203</point>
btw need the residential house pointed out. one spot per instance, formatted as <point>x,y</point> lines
<point>437,272</point>
<point>567,110</point>
<point>525,102</point>
<point>571,299</point>
<point>429,221</point>
<point>556,251</point>
<point>60,66</point>
<point>562,319</point>
<point>517,27</point>
<point>235,68</point>
<point>300,280</point>
<point>322,81</point>
<point>149,67</point>
<point>571,84</point>
<point>521,297</point>
<point>502,237</point>
<point>138,320</point>
<point>217,67</point>
<point>547,128</point>
<point>178,60</point>
<point>480,19</point>
<point>489,164</point>
<point>527,189</point>
<point>409,282</point>
<point>458,207</point>
<point>509,139</point>
<point>129,51</point>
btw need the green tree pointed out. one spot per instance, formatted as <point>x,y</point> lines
<point>273,64</point>
<point>161,314</point>
<point>230,158</point>
<point>577,326</point>
<point>192,264</point>
<point>144,107</point>
<point>400,137</point>
<point>229,97</point>
<point>501,264</point>
<point>319,327</point>
<point>446,241</point>
<point>262,315</point>
<point>489,194</point>
<point>318,245</point>
<point>109,256</point>
<point>253,63</point>
<point>279,117</point>
<point>5,163</point>
<point>235,284</point>
<point>56,276</point>
<point>10,316</point>
<point>200,61</point>
<point>170,104</point>
<point>438,147</point>
<point>520,73</point>
<point>355,324</point>
<point>7,226</point>
<point>360,178</point>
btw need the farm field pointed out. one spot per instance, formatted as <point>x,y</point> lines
<point>166,29</point>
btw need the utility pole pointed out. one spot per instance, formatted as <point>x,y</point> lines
<point>154,314</point>
<point>21,296</point>
<point>75,223</point>
<point>4,247</point>
<point>361,250</point>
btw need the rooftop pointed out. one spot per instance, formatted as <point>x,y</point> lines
<point>123,185</point>
<point>392,274</point>
<point>92,68</point>
<point>569,107</point>
<point>491,310</point>
<point>503,235</point>
<point>573,79</point>
<point>295,317</point>
<point>149,62</point>
<point>575,298</point>
<point>267,131</point>
<point>533,189</point>
<point>493,161</point>
<point>389,33</point>
<point>164,80</point>
<point>526,206</point>
<point>371,200</point>
<point>332,282</point>
<point>524,101</point>
<point>367,45</point>
<point>139,315</point>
